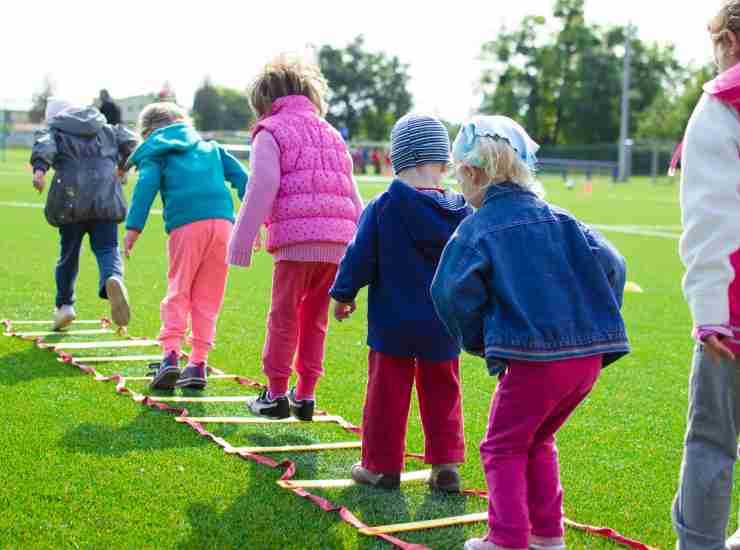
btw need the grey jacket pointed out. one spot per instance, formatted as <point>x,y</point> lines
<point>85,153</point>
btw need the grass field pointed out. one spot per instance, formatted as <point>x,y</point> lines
<point>83,468</point>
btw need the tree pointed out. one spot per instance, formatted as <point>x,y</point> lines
<point>368,90</point>
<point>221,108</point>
<point>38,108</point>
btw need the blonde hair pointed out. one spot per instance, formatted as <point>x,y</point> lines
<point>161,114</point>
<point>728,19</point>
<point>288,75</point>
<point>500,163</point>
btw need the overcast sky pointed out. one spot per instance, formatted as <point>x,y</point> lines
<point>132,47</point>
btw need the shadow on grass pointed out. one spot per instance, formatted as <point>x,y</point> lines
<point>32,364</point>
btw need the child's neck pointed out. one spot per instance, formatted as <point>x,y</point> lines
<point>419,181</point>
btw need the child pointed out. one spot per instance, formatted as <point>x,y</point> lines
<point>198,215</point>
<point>303,190</point>
<point>710,250</point>
<point>401,236</point>
<point>525,285</point>
<point>85,198</point>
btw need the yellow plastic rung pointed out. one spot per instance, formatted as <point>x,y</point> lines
<point>114,359</point>
<point>253,419</point>
<point>420,475</point>
<point>66,333</point>
<point>104,345</point>
<point>420,525</point>
<point>208,399</point>
<point>210,377</point>
<point>88,322</point>
<point>300,448</point>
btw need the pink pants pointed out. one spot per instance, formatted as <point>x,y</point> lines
<point>196,285</point>
<point>532,401</point>
<point>386,411</point>
<point>298,321</point>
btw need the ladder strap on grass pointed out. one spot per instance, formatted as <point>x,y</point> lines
<point>300,448</point>
<point>252,419</point>
<point>420,475</point>
<point>65,333</point>
<point>420,525</point>
<point>104,345</point>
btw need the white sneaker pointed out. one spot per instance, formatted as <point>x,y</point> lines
<point>118,298</point>
<point>542,543</point>
<point>481,544</point>
<point>733,543</point>
<point>63,317</point>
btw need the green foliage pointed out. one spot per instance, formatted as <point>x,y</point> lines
<point>368,90</point>
<point>221,108</point>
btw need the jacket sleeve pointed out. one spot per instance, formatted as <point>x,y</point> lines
<point>126,141</point>
<point>710,203</point>
<point>147,187</point>
<point>460,294</point>
<point>359,266</point>
<point>610,260</point>
<point>234,172</point>
<point>44,150</point>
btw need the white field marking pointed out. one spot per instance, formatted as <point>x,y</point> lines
<point>13,204</point>
<point>636,230</point>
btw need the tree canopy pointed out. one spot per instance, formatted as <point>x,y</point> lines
<point>221,108</point>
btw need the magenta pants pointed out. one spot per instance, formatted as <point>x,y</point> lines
<point>297,325</point>
<point>386,412</point>
<point>531,403</point>
<point>196,284</point>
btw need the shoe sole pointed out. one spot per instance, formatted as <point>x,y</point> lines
<point>191,383</point>
<point>167,380</point>
<point>64,322</point>
<point>118,298</point>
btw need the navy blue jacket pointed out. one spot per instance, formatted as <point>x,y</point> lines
<point>523,279</point>
<point>395,252</point>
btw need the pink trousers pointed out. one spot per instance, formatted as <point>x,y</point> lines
<point>386,412</point>
<point>196,284</point>
<point>531,403</point>
<point>297,325</point>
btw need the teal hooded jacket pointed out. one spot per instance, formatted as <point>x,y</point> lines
<point>191,174</point>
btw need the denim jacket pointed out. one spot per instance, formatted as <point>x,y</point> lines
<point>522,279</point>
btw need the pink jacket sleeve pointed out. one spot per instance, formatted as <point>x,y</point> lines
<point>356,197</point>
<point>262,189</point>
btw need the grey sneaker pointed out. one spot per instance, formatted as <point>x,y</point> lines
<point>193,376</point>
<point>480,544</point>
<point>167,373</point>
<point>445,477</point>
<point>269,408</point>
<point>118,297</point>
<point>544,543</point>
<point>390,482</point>
<point>63,317</point>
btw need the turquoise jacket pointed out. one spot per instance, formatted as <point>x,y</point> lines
<point>190,173</point>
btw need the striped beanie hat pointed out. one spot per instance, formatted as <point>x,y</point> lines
<point>418,139</point>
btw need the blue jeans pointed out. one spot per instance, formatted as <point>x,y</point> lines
<point>104,244</point>
<point>701,508</point>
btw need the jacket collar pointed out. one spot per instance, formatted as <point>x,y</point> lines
<point>292,103</point>
<point>500,189</point>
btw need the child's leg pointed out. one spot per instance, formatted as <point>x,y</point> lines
<point>104,244</point>
<point>386,412</point>
<point>313,318</point>
<point>289,281</point>
<point>701,508</point>
<point>209,286</point>
<point>440,404</point>
<point>68,265</point>
<point>184,248</point>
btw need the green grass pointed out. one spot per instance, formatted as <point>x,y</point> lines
<point>81,467</point>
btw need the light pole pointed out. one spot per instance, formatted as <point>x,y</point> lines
<point>624,126</point>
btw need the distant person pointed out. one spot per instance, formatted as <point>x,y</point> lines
<point>536,293</point>
<point>303,190</point>
<point>85,198</point>
<point>110,110</point>
<point>710,250</point>
<point>398,244</point>
<point>190,174</point>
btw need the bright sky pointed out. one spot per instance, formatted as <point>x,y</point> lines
<point>132,47</point>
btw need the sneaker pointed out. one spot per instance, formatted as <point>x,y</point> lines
<point>364,476</point>
<point>445,477</point>
<point>63,317</point>
<point>118,297</point>
<point>544,543</point>
<point>481,544</point>
<point>167,373</point>
<point>302,409</point>
<point>193,376</point>
<point>269,408</point>
<point>733,543</point>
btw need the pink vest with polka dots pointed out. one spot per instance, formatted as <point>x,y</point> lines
<point>314,200</point>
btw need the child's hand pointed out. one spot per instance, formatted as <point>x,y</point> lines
<point>342,311</point>
<point>130,240</point>
<point>39,180</point>
<point>717,350</point>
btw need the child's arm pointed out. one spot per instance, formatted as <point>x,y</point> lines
<point>460,294</point>
<point>359,266</point>
<point>611,261</point>
<point>127,142</point>
<point>43,155</point>
<point>260,196</point>
<point>234,172</point>
<point>147,187</point>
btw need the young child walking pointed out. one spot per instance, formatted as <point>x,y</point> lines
<point>538,294</point>
<point>710,250</point>
<point>401,236</point>
<point>85,198</point>
<point>302,189</point>
<point>190,173</point>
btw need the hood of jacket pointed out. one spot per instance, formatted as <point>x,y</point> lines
<point>177,138</point>
<point>83,121</point>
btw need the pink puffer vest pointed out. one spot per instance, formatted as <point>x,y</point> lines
<point>313,203</point>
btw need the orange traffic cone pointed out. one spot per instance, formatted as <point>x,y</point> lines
<point>588,187</point>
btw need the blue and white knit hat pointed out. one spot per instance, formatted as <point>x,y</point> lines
<point>418,139</point>
<point>496,127</point>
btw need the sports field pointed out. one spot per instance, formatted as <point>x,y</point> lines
<point>81,467</point>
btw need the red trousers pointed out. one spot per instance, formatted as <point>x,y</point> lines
<point>386,411</point>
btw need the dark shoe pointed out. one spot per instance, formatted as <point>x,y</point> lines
<point>193,376</point>
<point>445,477</point>
<point>167,373</point>
<point>118,297</point>
<point>269,408</point>
<point>390,482</point>
<point>302,409</point>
